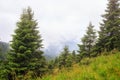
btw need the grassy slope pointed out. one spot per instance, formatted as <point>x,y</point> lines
<point>100,68</point>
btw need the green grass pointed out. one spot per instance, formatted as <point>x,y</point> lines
<point>99,68</point>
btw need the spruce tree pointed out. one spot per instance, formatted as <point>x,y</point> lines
<point>74,56</point>
<point>109,34</point>
<point>65,59</point>
<point>25,56</point>
<point>88,42</point>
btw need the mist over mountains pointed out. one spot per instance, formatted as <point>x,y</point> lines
<point>50,52</point>
<point>54,50</point>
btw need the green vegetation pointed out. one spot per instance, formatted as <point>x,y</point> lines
<point>97,58</point>
<point>4,48</point>
<point>25,58</point>
<point>109,34</point>
<point>99,68</point>
<point>88,42</point>
<point>65,58</point>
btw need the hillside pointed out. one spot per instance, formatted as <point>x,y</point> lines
<point>4,47</point>
<point>100,68</point>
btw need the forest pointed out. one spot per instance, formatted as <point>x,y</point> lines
<point>97,57</point>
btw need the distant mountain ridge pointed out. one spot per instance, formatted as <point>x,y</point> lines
<point>4,47</point>
<point>54,50</point>
<point>50,52</point>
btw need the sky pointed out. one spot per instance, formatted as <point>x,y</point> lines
<point>61,22</point>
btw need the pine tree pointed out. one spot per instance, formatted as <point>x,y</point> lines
<point>109,34</point>
<point>56,62</point>
<point>65,59</point>
<point>25,56</point>
<point>88,42</point>
<point>74,56</point>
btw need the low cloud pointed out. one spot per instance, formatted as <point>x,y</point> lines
<point>59,20</point>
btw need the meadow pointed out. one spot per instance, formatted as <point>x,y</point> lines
<point>104,67</point>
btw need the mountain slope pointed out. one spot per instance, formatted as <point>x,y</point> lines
<point>4,47</point>
<point>100,68</point>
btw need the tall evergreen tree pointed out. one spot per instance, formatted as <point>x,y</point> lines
<point>109,34</point>
<point>74,56</point>
<point>25,55</point>
<point>88,42</point>
<point>65,59</point>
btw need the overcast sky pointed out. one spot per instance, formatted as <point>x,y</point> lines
<point>60,21</point>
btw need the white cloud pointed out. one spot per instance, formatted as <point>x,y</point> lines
<point>59,20</point>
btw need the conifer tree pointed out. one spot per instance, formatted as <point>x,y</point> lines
<point>74,56</point>
<point>25,56</point>
<point>56,62</point>
<point>109,34</point>
<point>65,59</point>
<point>88,42</point>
